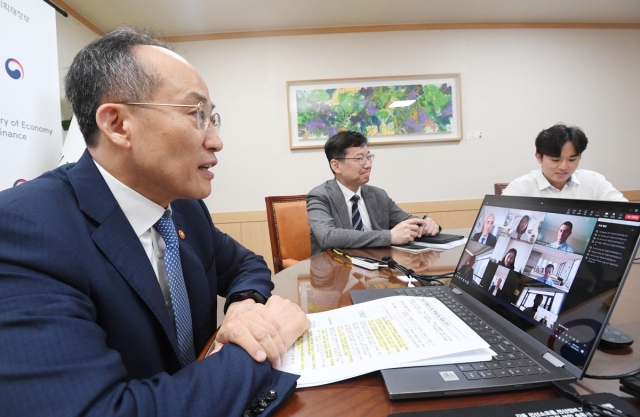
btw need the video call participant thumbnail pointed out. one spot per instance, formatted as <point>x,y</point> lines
<point>485,237</point>
<point>548,270</point>
<point>531,311</point>
<point>466,270</point>
<point>563,234</point>
<point>509,259</point>
<point>521,231</point>
<point>494,289</point>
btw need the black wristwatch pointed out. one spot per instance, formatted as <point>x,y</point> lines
<point>243,295</point>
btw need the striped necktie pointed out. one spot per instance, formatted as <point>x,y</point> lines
<point>177,289</point>
<point>356,221</point>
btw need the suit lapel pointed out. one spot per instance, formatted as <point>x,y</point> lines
<point>337,198</point>
<point>372,206</point>
<point>117,240</point>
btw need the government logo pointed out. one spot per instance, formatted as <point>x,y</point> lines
<point>14,69</point>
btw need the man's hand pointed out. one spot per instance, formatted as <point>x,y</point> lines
<point>430,228</point>
<point>264,331</point>
<point>419,262</point>
<point>406,231</point>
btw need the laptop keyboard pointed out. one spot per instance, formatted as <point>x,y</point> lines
<point>509,361</point>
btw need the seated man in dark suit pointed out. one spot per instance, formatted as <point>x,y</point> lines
<point>485,237</point>
<point>345,212</point>
<point>110,267</point>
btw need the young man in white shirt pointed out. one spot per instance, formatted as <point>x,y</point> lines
<point>558,149</point>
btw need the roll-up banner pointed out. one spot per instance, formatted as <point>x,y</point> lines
<point>30,121</point>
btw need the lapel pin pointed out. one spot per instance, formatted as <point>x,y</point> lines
<point>181,234</point>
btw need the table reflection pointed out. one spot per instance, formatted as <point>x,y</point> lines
<point>323,281</point>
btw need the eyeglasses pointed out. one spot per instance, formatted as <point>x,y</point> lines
<point>361,159</point>
<point>204,116</point>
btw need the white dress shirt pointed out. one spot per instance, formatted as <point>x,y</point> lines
<point>582,185</point>
<point>364,214</point>
<point>142,214</point>
<point>525,236</point>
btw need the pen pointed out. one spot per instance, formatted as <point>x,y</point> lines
<point>424,217</point>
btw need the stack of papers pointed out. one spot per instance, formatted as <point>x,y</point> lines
<point>418,247</point>
<point>411,247</point>
<point>386,333</point>
<point>442,246</point>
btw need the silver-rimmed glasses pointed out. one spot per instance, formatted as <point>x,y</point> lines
<point>204,115</point>
<point>361,159</point>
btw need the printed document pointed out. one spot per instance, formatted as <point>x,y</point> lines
<point>386,333</point>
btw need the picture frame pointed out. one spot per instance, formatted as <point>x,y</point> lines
<point>388,110</point>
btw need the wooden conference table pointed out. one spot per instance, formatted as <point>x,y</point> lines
<point>322,283</point>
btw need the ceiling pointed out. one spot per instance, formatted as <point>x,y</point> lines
<point>190,17</point>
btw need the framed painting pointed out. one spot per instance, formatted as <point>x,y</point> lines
<point>388,110</point>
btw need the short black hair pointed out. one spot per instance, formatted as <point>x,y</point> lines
<point>106,71</point>
<point>337,145</point>
<point>550,141</point>
<point>568,223</point>
<point>549,266</point>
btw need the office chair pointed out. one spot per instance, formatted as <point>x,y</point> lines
<point>288,230</point>
<point>498,187</point>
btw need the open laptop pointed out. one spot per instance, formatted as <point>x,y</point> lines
<point>540,291</point>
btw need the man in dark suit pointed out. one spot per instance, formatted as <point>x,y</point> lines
<point>345,212</point>
<point>495,288</point>
<point>485,237</point>
<point>110,267</point>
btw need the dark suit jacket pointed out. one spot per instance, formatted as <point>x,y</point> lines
<point>466,272</point>
<point>330,220</point>
<point>83,325</point>
<point>491,239</point>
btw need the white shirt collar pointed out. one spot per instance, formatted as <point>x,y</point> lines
<point>141,212</point>
<point>543,182</point>
<point>348,193</point>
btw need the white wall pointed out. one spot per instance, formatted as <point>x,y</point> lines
<point>72,36</point>
<point>515,82</point>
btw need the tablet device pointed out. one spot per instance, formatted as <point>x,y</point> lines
<point>439,238</point>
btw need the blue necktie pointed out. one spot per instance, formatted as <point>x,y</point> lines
<point>356,221</point>
<point>177,289</point>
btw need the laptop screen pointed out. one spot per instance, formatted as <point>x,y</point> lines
<point>551,266</point>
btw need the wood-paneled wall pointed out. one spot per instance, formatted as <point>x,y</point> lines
<point>250,227</point>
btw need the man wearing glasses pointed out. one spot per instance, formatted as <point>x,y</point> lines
<point>110,267</point>
<point>345,212</point>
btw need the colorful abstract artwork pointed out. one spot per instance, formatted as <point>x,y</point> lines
<point>391,111</point>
